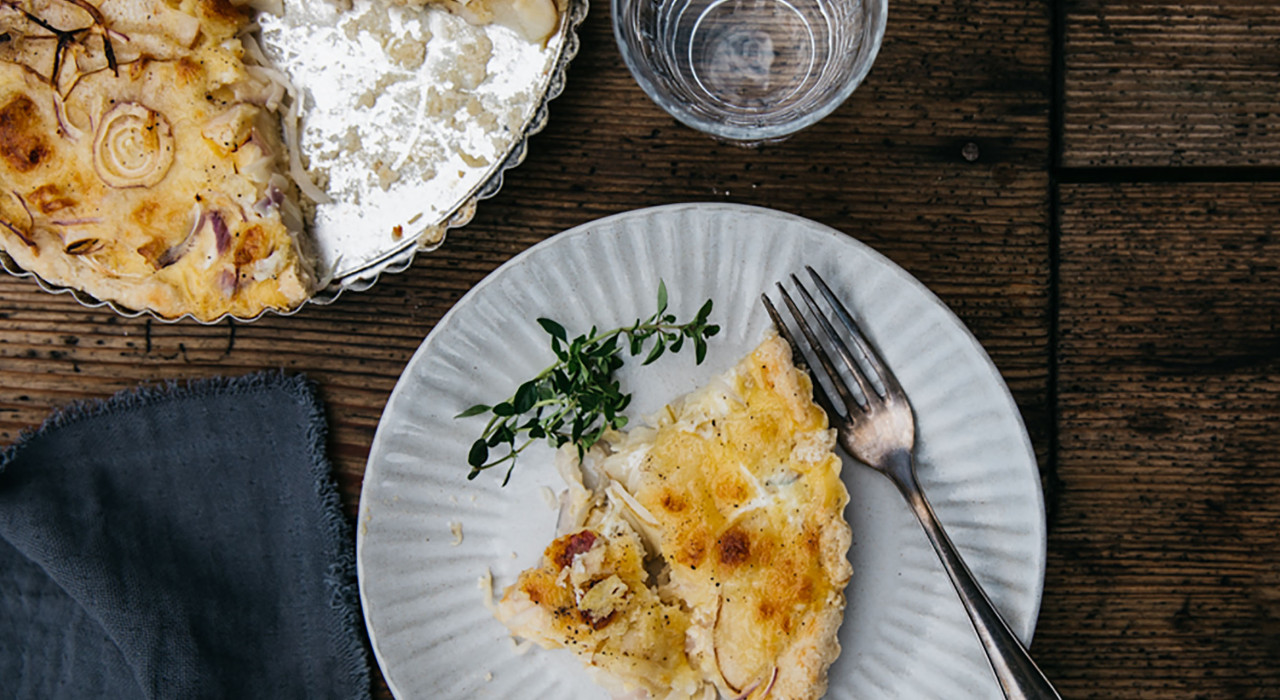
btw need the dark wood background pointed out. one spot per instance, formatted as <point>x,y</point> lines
<point>1092,185</point>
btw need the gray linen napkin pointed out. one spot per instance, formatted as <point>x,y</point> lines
<point>178,542</point>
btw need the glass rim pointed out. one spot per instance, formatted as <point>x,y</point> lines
<point>748,135</point>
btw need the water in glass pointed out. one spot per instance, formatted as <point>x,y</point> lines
<point>749,70</point>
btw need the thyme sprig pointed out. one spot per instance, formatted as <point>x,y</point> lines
<point>577,399</point>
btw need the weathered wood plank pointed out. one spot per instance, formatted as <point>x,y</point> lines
<point>1162,562</point>
<point>1172,83</point>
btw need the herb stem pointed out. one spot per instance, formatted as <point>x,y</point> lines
<point>580,387</point>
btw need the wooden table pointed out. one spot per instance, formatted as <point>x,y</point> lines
<point>1092,185</point>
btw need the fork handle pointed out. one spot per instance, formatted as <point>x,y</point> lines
<point>1017,673</point>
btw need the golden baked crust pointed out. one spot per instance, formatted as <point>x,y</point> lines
<point>142,161</point>
<point>590,596</point>
<point>737,492</point>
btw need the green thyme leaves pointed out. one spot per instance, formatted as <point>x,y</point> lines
<point>577,399</point>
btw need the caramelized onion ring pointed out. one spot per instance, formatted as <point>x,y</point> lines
<point>133,146</point>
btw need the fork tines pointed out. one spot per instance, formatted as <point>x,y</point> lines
<point>867,369</point>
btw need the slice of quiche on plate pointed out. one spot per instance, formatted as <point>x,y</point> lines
<point>704,556</point>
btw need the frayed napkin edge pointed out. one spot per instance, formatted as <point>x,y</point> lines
<point>344,597</point>
<point>147,394</point>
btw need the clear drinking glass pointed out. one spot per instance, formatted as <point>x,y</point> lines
<point>749,71</point>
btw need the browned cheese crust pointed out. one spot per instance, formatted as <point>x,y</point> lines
<point>737,494</point>
<point>750,505</point>
<point>141,158</point>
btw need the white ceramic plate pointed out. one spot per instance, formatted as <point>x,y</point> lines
<point>905,634</point>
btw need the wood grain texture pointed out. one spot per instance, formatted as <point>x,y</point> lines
<point>1163,578</point>
<point>889,167</point>
<point>1171,83</point>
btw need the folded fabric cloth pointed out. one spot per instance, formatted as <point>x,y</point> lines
<point>179,542</point>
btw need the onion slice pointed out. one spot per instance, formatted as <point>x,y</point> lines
<point>24,237</point>
<point>133,146</point>
<point>175,253</point>
<point>65,125</point>
<point>289,120</point>
<point>617,491</point>
<point>749,690</point>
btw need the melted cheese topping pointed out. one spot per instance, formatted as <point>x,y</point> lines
<point>736,493</point>
<point>591,596</point>
<point>154,183</point>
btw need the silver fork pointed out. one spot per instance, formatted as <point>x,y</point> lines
<point>877,427</point>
